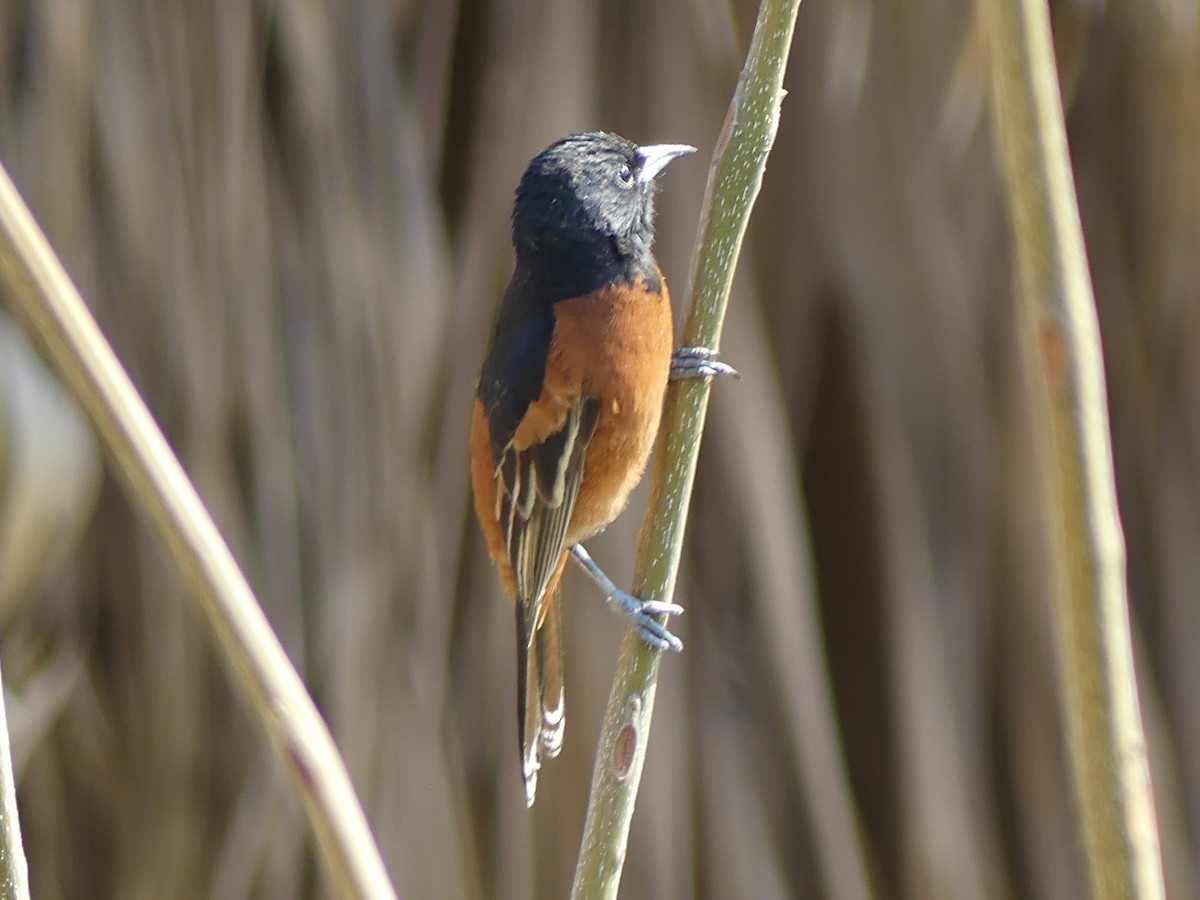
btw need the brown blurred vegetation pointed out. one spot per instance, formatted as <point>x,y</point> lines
<point>291,221</point>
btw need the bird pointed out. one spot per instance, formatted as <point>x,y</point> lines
<point>569,399</point>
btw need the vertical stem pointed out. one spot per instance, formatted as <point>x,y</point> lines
<point>734,179</point>
<point>1104,727</point>
<point>14,872</point>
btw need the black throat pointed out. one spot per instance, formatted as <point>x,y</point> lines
<point>544,279</point>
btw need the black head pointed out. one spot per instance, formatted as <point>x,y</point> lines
<point>587,202</point>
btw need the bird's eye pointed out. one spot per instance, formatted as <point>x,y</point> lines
<point>625,174</point>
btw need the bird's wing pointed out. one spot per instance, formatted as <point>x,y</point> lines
<point>540,423</point>
<point>538,475</point>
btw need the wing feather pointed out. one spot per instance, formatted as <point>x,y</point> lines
<point>536,491</point>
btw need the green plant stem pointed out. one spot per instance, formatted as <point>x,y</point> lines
<point>734,180</point>
<point>1105,737</point>
<point>38,287</point>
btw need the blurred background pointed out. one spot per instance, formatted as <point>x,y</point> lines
<point>290,219</point>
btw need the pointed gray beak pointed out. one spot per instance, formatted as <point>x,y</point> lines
<point>655,158</point>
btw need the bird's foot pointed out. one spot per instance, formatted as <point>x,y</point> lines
<point>699,362</point>
<point>641,613</point>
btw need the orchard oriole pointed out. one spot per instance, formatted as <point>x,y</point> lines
<point>568,403</point>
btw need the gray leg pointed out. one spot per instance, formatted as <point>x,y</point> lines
<point>640,612</point>
<point>699,362</point>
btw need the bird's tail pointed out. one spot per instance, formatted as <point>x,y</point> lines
<point>540,698</point>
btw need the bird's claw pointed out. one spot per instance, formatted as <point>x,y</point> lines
<point>642,614</point>
<point>699,362</point>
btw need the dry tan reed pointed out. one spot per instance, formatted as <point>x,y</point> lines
<point>291,221</point>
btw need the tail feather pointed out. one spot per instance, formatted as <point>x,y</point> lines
<point>529,713</point>
<point>550,678</point>
<point>540,698</point>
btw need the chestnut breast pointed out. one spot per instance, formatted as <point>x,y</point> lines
<point>622,336</point>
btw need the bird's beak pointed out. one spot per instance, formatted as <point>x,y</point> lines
<point>655,158</point>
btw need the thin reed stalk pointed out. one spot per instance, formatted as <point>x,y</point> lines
<point>734,179</point>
